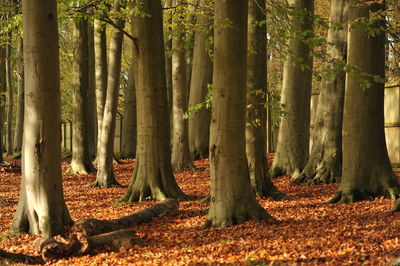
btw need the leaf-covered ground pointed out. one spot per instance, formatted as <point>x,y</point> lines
<point>309,230</point>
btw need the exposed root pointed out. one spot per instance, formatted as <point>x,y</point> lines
<point>276,172</point>
<point>350,197</point>
<point>98,184</point>
<point>323,173</point>
<point>255,215</point>
<point>206,199</point>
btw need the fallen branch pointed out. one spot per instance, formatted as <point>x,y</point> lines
<point>15,257</point>
<point>90,227</point>
<point>78,244</point>
<point>88,234</point>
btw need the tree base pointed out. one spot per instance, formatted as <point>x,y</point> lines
<point>258,215</point>
<point>319,171</point>
<point>355,195</point>
<point>98,184</point>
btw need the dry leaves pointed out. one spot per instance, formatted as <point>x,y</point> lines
<point>309,231</point>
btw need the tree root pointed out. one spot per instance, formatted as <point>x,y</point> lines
<point>315,175</point>
<point>97,184</point>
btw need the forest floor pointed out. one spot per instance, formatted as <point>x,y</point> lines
<point>308,231</point>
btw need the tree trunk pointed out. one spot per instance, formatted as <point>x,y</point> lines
<point>3,91</point>
<point>293,141</point>
<point>91,95</point>
<point>168,58</point>
<point>10,98</point>
<point>180,158</point>
<point>325,162</point>
<point>129,119</point>
<point>105,172</point>
<point>232,199</point>
<point>80,163</point>
<point>366,167</point>
<point>100,52</point>
<point>199,122</point>
<point>255,113</point>
<point>41,207</point>
<point>152,177</point>
<point>19,127</point>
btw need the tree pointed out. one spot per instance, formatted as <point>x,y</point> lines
<point>10,97</point>
<point>294,131</point>
<point>81,162</point>
<point>366,167</point>
<point>100,52</point>
<point>3,90</point>
<point>201,78</point>
<point>325,162</point>
<point>41,207</point>
<point>128,138</point>
<point>180,158</point>
<point>255,113</point>
<point>152,177</point>
<point>105,172</point>
<point>232,199</point>
<point>20,103</point>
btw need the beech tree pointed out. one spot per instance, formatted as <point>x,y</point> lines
<point>20,102</point>
<point>81,162</point>
<point>256,91</point>
<point>3,90</point>
<point>201,78</point>
<point>232,199</point>
<point>293,141</point>
<point>366,167</point>
<point>41,207</point>
<point>105,172</point>
<point>325,162</point>
<point>10,96</point>
<point>100,52</point>
<point>128,138</point>
<point>152,177</point>
<point>180,158</point>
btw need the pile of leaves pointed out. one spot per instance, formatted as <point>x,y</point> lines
<point>308,231</point>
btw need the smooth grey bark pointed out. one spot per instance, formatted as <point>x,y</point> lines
<point>180,158</point>
<point>3,91</point>
<point>232,199</point>
<point>10,98</point>
<point>80,163</point>
<point>105,172</point>
<point>293,141</point>
<point>168,58</point>
<point>100,51</point>
<point>325,162</point>
<point>255,112</point>
<point>201,77</point>
<point>19,125</point>
<point>128,139</point>
<point>366,167</point>
<point>41,207</point>
<point>152,177</point>
<point>90,110</point>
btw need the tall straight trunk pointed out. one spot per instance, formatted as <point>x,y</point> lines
<point>128,149</point>
<point>19,125</point>
<point>90,109</point>
<point>3,91</point>
<point>168,60</point>
<point>189,38</point>
<point>255,113</point>
<point>41,207</point>
<point>10,99</point>
<point>180,158</point>
<point>232,199</point>
<point>366,167</point>
<point>80,163</point>
<point>105,172</point>
<point>152,177</point>
<point>100,51</point>
<point>325,162</point>
<point>293,141</point>
<point>199,122</point>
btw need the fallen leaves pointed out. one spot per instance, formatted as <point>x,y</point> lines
<point>309,231</point>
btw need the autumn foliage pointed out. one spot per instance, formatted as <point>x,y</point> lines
<point>308,231</point>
